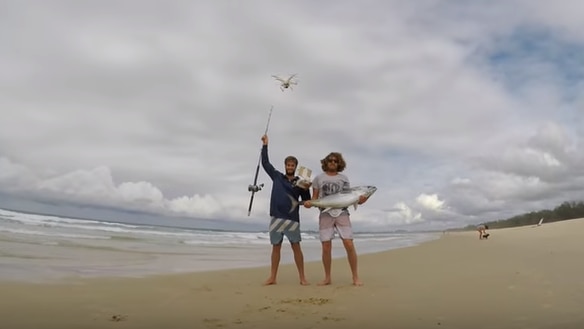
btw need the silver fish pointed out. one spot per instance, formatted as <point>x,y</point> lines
<point>339,200</point>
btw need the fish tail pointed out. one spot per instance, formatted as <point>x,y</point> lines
<point>293,202</point>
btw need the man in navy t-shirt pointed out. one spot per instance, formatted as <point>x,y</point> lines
<point>285,218</point>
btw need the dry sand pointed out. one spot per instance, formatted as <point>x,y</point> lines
<point>519,278</point>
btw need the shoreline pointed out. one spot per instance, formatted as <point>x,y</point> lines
<point>519,278</point>
<point>39,267</point>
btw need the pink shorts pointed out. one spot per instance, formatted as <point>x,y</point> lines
<point>327,225</point>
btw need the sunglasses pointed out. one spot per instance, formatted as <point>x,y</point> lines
<point>333,160</point>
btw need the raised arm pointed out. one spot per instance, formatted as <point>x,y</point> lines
<point>268,168</point>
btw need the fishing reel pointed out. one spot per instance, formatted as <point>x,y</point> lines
<point>255,188</point>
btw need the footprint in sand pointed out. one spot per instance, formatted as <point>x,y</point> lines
<point>118,317</point>
<point>213,323</point>
<point>311,301</point>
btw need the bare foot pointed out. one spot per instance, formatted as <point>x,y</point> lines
<point>270,281</point>
<point>357,282</point>
<point>304,282</point>
<point>324,282</point>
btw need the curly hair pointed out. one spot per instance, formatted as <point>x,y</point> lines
<point>341,162</point>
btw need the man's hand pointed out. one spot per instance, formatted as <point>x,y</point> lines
<point>265,139</point>
<point>307,204</point>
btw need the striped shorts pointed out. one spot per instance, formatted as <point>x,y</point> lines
<point>284,227</point>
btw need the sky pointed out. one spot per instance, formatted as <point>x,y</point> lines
<point>459,112</point>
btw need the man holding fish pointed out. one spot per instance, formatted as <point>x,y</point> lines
<point>331,192</point>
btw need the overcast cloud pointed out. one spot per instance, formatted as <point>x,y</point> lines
<point>458,111</point>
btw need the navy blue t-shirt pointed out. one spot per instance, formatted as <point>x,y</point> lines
<point>280,203</point>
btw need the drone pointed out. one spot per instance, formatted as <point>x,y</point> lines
<point>286,83</point>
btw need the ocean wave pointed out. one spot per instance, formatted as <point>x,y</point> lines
<point>52,234</point>
<point>62,227</point>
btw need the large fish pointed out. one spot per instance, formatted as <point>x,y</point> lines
<point>343,199</point>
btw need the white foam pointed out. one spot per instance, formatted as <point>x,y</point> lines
<point>52,234</point>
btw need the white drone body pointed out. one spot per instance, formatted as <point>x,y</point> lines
<point>286,83</point>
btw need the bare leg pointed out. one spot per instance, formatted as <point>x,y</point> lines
<point>326,262</point>
<point>352,257</point>
<point>275,263</point>
<point>299,260</point>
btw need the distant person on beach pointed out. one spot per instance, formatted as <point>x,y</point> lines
<point>283,221</point>
<point>332,181</point>
<point>482,229</point>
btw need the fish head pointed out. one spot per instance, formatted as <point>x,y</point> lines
<point>365,191</point>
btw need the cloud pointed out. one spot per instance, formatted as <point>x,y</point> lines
<point>97,186</point>
<point>405,214</point>
<point>458,111</point>
<point>14,176</point>
<point>430,202</point>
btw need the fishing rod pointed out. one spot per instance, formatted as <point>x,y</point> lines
<point>253,188</point>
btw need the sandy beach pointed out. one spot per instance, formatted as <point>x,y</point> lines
<point>527,277</point>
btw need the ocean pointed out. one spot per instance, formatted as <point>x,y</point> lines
<point>43,248</point>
